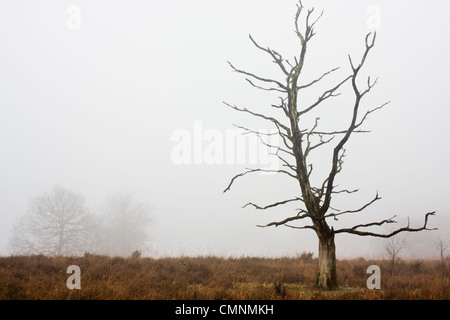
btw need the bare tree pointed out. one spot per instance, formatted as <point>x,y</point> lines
<point>300,140</point>
<point>442,247</point>
<point>393,247</point>
<point>57,223</point>
<point>125,225</point>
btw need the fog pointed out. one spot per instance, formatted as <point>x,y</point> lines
<point>99,97</point>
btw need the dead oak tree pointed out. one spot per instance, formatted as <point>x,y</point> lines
<point>299,140</point>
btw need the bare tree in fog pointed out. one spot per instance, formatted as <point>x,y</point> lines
<point>57,223</point>
<point>393,247</point>
<point>125,224</point>
<point>301,135</point>
<point>442,247</point>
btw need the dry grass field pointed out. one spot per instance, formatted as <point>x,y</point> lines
<point>213,278</point>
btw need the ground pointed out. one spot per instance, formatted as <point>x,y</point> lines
<point>215,278</point>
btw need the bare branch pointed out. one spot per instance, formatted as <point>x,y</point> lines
<point>297,28</point>
<point>273,204</point>
<point>389,235</point>
<point>346,191</point>
<point>310,27</point>
<point>321,143</point>
<point>337,160</point>
<point>334,215</point>
<point>258,133</point>
<point>277,123</point>
<point>300,228</point>
<point>317,80</point>
<point>369,112</point>
<point>258,77</point>
<point>285,162</point>
<point>257,170</point>
<point>336,132</point>
<point>282,106</point>
<point>262,88</point>
<point>287,220</point>
<point>326,95</point>
<point>372,224</point>
<point>369,46</point>
<point>370,86</point>
<point>285,137</point>
<point>278,59</point>
<point>236,177</point>
<point>278,148</point>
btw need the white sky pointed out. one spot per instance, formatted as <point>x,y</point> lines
<point>94,109</point>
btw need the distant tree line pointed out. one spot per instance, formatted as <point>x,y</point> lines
<point>59,223</point>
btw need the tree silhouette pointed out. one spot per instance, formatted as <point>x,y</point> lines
<point>57,223</point>
<point>300,140</point>
<point>393,247</point>
<point>125,223</point>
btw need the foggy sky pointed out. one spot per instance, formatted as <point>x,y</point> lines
<point>93,106</point>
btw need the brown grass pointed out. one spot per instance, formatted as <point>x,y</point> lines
<point>213,278</point>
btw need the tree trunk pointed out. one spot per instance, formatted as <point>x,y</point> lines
<point>326,273</point>
<point>59,248</point>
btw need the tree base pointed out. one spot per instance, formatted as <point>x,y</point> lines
<point>326,273</point>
